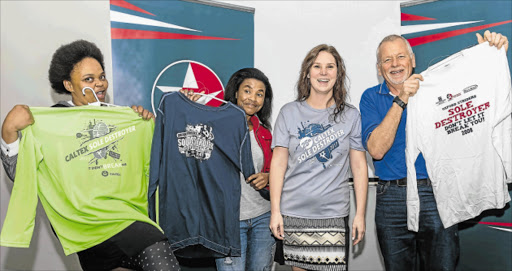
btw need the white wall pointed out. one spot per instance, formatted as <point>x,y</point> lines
<point>30,32</point>
<point>284,32</point>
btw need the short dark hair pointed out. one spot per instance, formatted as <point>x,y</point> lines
<point>65,59</point>
<point>234,84</point>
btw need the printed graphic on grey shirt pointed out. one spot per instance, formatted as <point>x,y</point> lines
<point>319,141</point>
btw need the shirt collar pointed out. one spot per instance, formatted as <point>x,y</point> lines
<point>383,89</point>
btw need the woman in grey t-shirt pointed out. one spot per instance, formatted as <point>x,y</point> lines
<point>317,138</point>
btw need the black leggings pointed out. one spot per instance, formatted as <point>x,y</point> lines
<point>156,257</point>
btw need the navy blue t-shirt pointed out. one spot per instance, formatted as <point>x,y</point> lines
<point>197,155</point>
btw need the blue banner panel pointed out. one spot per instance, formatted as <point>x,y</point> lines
<point>441,28</point>
<point>161,46</point>
<point>435,31</point>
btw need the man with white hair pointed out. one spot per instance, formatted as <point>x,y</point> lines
<point>384,114</point>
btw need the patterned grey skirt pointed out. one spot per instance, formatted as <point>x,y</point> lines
<point>316,244</point>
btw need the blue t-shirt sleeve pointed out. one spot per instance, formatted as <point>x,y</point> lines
<point>281,136</point>
<point>370,117</point>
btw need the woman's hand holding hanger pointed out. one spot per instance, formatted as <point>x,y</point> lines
<point>144,113</point>
<point>191,94</point>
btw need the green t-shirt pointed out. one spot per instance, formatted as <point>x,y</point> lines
<point>89,166</point>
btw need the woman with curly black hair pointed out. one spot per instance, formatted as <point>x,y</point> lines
<point>75,67</point>
<point>65,64</point>
<point>250,89</point>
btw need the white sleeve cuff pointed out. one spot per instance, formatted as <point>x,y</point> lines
<point>10,149</point>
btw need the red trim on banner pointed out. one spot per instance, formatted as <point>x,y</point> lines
<point>411,17</point>
<point>439,36</point>
<point>119,33</point>
<point>124,4</point>
<point>496,224</point>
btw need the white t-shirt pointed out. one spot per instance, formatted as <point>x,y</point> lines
<point>460,120</point>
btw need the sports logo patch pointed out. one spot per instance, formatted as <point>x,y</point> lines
<point>196,141</point>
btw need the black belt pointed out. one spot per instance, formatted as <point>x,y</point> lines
<point>403,182</point>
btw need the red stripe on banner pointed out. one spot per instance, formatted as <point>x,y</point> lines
<point>411,17</point>
<point>439,36</point>
<point>496,224</point>
<point>119,33</point>
<point>124,4</point>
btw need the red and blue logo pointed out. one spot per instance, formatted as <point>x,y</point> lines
<point>162,46</point>
<point>198,77</point>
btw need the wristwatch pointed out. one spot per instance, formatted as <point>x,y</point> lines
<point>400,102</point>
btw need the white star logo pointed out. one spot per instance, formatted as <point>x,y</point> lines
<point>208,82</point>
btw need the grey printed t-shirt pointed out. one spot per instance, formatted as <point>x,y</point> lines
<point>316,181</point>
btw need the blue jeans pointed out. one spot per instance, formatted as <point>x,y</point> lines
<point>257,247</point>
<point>437,247</point>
